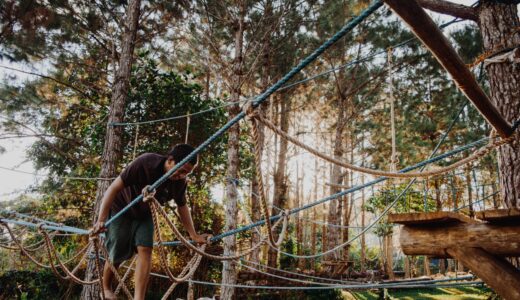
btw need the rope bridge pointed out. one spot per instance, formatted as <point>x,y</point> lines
<point>95,246</point>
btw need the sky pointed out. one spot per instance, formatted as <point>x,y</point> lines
<point>13,183</point>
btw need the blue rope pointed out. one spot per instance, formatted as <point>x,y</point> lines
<point>285,87</point>
<point>261,98</point>
<point>48,227</point>
<point>345,192</point>
<point>350,287</point>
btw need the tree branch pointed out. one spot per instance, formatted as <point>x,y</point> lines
<point>449,8</point>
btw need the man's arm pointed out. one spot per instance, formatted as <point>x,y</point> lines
<point>106,202</point>
<point>187,222</point>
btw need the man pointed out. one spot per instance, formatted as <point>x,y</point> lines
<point>133,231</point>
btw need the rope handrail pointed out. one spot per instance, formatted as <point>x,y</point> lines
<point>345,192</point>
<point>476,155</point>
<point>360,286</point>
<point>406,284</point>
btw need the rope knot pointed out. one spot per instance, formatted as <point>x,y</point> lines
<point>208,239</point>
<point>147,195</point>
<point>40,226</point>
<point>249,110</point>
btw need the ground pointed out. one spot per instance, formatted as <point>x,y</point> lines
<point>460,293</point>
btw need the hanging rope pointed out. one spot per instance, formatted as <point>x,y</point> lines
<point>125,276</point>
<point>494,142</point>
<point>156,208</point>
<point>135,141</point>
<point>250,112</point>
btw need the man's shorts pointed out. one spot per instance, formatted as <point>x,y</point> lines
<point>124,234</point>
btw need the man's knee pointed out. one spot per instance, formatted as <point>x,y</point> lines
<point>144,251</point>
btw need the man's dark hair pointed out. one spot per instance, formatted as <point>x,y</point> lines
<point>180,151</point>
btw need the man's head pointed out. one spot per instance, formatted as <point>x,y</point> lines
<point>177,154</point>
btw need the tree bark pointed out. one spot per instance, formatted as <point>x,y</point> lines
<point>469,189</point>
<point>280,181</point>
<point>265,81</point>
<point>335,207</point>
<point>449,8</point>
<point>229,271</point>
<point>363,241</point>
<point>112,150</point>
<point>498,23</point>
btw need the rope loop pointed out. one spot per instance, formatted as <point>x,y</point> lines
<point>147,195</point>
<point>93,237</point>
<point>249,110</point>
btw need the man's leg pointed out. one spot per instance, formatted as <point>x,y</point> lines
<point>108,276</point>
<point>142,271</point>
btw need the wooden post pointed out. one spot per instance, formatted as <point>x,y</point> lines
<point>428,32</point>
<point>499,274</point>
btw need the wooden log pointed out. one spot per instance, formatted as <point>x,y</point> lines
<point>498,273</point>
<point>433,241</point>
<point>428,32</point>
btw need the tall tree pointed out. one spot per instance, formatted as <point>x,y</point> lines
<point>112,149</point>
<point>498,22</point>
<point>229,271</point>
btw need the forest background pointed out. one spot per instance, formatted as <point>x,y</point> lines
<point>82,80</point>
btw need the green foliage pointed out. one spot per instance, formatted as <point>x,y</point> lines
<point>29,285</point>
<point>289,245</point>
<point>412,200</point>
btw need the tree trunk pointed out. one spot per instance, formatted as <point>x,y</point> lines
<point>389,251</point>
<point>407,267</point>
<point>315,216</point>
<point>229,271</point>
<point>112,150</point>
<point>470,190</point>
<point>314,232</point>
<point>498,24</point>
<point>299,221</point>
<point>280,182</point>
<point>265,81</point>
<point>427,271</point>
<point>335,207</point>
<point>363,241</point>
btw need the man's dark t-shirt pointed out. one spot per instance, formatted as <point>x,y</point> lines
<point>143,171</point>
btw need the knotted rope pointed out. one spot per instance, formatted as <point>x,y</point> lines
<point>148,197</point>
<point>156,208</point>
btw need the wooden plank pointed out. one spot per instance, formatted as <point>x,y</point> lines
<point>431,218</point>
<point>511,215</point>
<point>498,273</point>
<point>428,32</point>
<point>497,239</point>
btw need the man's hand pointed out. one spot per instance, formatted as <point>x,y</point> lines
<point>99,227</point>
<point>201,238</point>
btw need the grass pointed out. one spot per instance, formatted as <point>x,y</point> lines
<point>459,293</point>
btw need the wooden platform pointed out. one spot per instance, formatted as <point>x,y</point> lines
<point>481,244</point>
<point>433,218</point>
<point>511,215</point>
